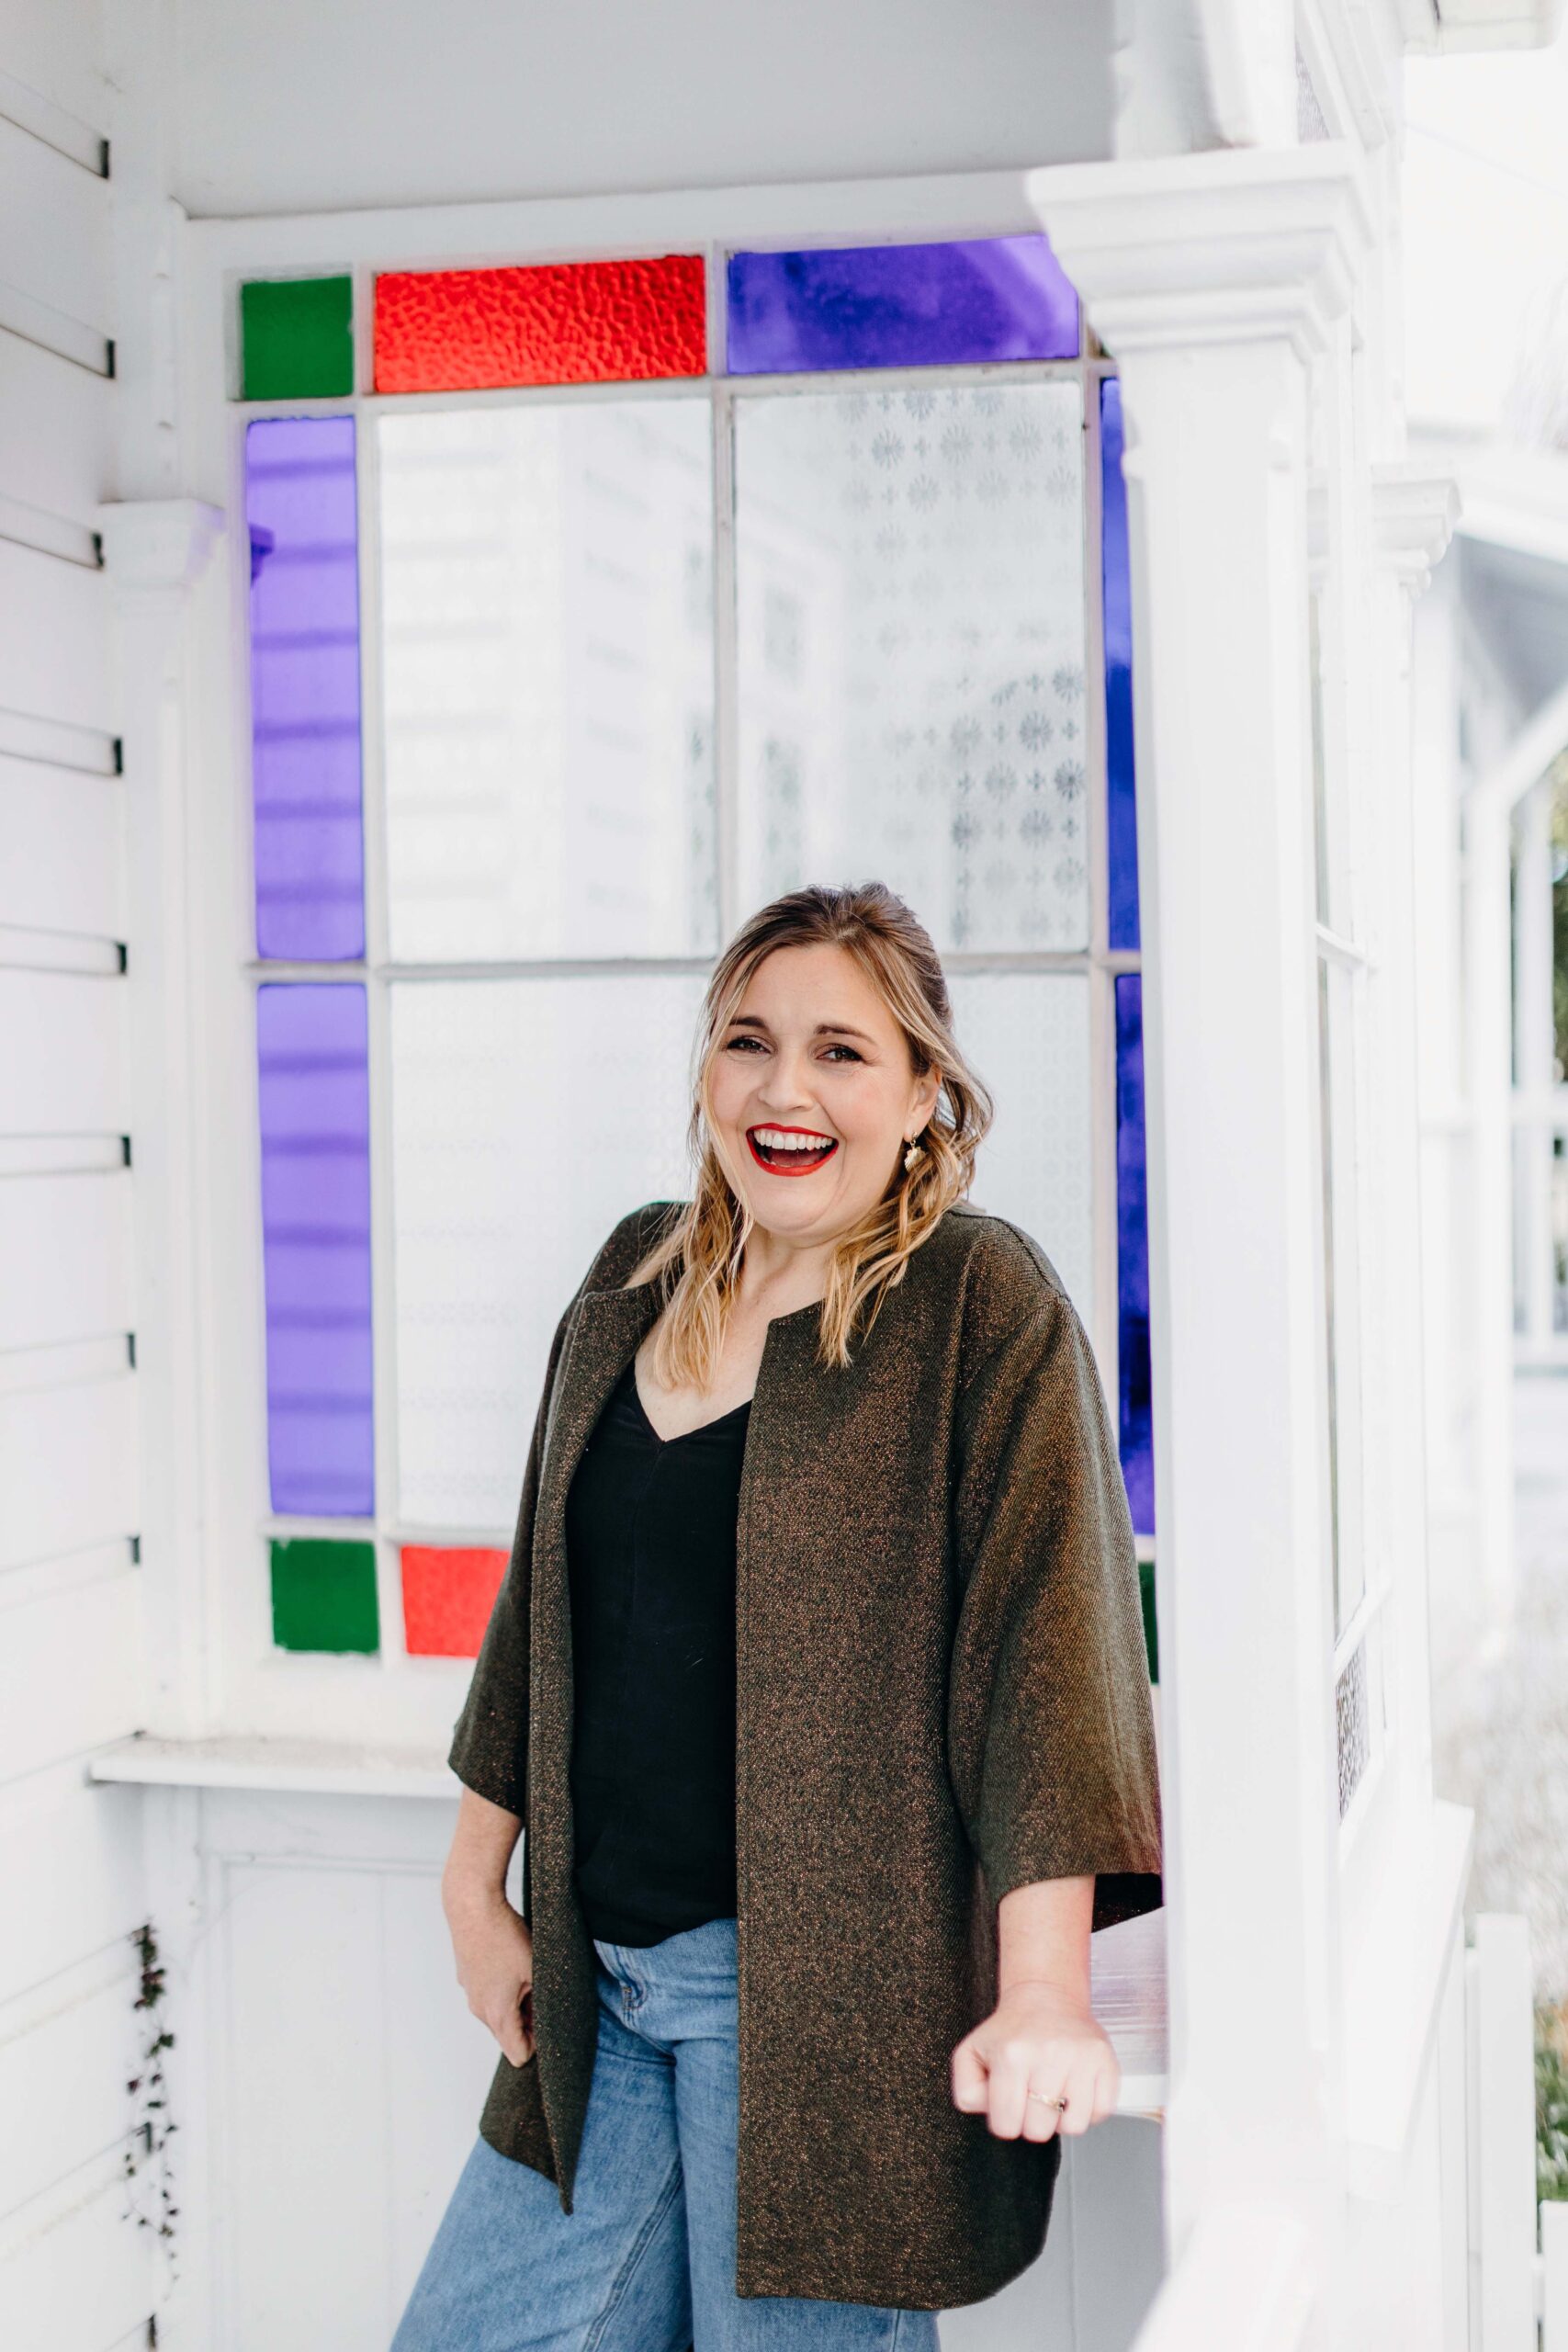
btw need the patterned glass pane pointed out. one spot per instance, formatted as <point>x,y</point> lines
<point>499,1087</point>
<point>1135,1411</point>
<point>574,323</point>
<point>447,1598</point>
<point>547,657</point>
<point>309,859</point>
<point>315,1144</point>
<point>911,654</point>
<point>1353,1725</point>
<point>899,306</point>
<point>1121,819</point>
<point>323,1596</point>
<point>296,338</point>
<point>1027,1034</point>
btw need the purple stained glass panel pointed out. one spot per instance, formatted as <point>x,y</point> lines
<point>899,306</point>
<point>309,856</point>
<point>1116,585</point>
<point>1132,1257</point>
<point>315,1139</point>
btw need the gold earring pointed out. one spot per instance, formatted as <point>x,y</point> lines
<point>916,1151</point>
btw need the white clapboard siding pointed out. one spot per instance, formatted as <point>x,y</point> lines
<point>61,848</point>
<point>65,1258</point>
<point>67,1470</point>
<point>62,1054</point>
<point>54,228</point>
<point>71,1671</point>
<point>65,2067</point>
<point>71,1864</point>
<point>54,656</point>
<point>53,46</point>
<point>74,2272</point>
<point>54,430</point>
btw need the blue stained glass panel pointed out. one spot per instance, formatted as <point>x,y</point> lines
<point>1121,820</point>
<point>899,306</point>
<point>309,856</point>
<point>1132,1257</point>
<point>312,1067</point>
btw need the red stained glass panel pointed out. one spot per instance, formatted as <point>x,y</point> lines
<point>569,323</point>
<point>447,1597</point>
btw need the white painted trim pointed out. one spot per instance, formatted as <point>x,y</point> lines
<point>1247,2281</point>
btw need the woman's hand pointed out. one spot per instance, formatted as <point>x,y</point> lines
<point>494,1954</point>
<point>491,1941</point>
<point>1042,2038</point>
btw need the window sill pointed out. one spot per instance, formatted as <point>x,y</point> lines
<point>1127,1962</point>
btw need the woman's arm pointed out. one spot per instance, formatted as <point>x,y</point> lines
<point>1042,2036</point>
<point>490,1942</point>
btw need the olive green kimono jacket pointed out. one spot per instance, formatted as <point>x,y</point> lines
<point>943,1694</point>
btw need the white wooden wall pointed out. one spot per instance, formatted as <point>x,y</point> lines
<point>75,2275</point>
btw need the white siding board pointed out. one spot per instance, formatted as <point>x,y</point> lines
<point>67,1474</point>
<point>73,1867</point>
<point>54,646</point>
<point>72,1672</point>
<point>62,1054</point>
<point>54,45</point>
<point>67,2072</point>
<point>54,228</point>
<point>80,2275</point>
<point>54,430</point>
<point>62,849</point>
<point>65,1258</point>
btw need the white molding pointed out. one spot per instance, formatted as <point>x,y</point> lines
<point>1234,245</point>
<point>304,1766</point>
<point>158,544</point>
<point>1415,509</point>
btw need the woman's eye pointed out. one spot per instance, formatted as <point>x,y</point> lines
<point>736,1042</point>
<point>845,1049</point>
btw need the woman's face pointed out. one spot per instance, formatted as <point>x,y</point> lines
<point>811,1095</point>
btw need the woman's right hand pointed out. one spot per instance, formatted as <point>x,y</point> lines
<point>494,1952</point>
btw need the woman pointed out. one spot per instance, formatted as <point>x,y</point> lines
<point>817,1676</point>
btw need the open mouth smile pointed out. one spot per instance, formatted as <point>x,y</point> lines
<point>790,1151</point>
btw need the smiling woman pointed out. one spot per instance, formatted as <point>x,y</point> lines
<point>817,1679</point>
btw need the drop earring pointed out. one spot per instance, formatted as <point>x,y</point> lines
<point>916,1151</point>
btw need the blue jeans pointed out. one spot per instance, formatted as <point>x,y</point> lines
<point>645,2262</point>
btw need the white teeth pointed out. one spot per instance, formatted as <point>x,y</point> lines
<point>776,1140</point>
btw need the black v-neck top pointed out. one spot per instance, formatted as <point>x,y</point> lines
<point>650,1550</point>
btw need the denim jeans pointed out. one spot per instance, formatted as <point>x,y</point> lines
<point>645,2262</point>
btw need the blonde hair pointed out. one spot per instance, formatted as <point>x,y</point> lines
<point>697,1264</point>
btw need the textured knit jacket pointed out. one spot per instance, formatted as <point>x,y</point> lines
<point>943,1694</point>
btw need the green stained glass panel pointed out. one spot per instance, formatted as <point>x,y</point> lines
<point>296,338</point>
<point>323,1595</point>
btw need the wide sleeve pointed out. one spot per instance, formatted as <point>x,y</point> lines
<point>489,1740</point>
<point>1051,1737</point>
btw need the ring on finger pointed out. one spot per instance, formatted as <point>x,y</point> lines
<point>1046,2100</point>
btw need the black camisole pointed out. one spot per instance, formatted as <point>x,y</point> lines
<point>650,1550</point>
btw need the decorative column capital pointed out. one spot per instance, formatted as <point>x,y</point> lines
<point>1231,245</point>
<point>152,544</point>
<point>1415,508</point>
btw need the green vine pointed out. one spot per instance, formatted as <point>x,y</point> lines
<point>147,2149</point>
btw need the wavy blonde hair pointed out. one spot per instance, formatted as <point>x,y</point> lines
<point>697,1264</point>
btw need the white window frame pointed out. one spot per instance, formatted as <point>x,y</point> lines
<point>248,1685</point>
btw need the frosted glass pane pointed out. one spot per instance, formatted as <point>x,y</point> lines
<point>1027,1033</point>
<point>910,605</point>
<point>527,1117</point>
<point>547,654</point>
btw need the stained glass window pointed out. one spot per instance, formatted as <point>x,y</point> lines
<point>1135,1403</point>
<point>899,306</point>
<point>1116,591</point>
<point>546,596</point>
<point>910,665</point>
<point>323,1595</point>
<point>296,338</point>
<point>573,322</point>
<point>315,1147</point>
<point>305,750</point>
<point>447,1598</point>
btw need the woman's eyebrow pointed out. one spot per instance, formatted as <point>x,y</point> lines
<point>823,1028</point>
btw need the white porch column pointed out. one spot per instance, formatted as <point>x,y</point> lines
<point>156,551</point>
<point>1211,278</point>
<point>1534,1064</point>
